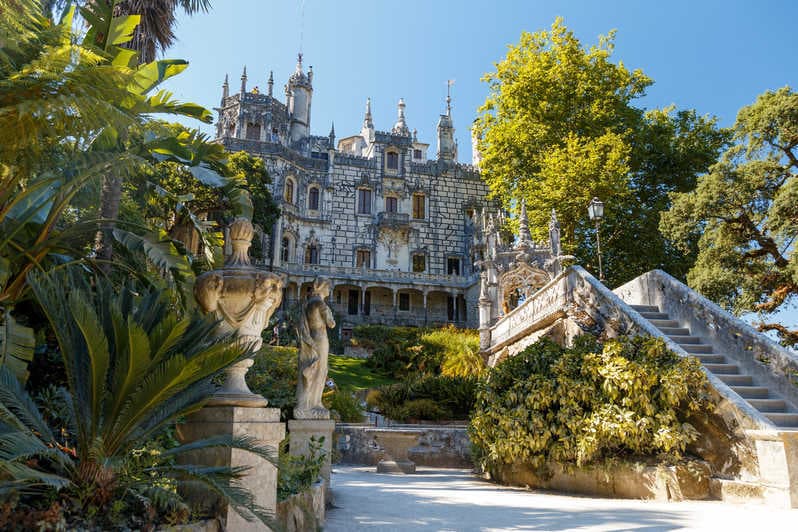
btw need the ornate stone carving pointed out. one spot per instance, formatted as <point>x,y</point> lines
<point>314,347</point>
<point>243,298</point>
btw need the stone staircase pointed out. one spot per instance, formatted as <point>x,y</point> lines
<point>781,413</point>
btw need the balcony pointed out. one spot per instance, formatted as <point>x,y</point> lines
<point>393,220</point>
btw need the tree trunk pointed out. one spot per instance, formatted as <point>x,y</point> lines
<point>110,197</point>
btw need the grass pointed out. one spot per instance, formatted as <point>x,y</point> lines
<point>352,374</point>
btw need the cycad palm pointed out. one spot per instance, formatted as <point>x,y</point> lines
<point>132,367</point>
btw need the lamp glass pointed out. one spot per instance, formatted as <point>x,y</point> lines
<point>596,209</point>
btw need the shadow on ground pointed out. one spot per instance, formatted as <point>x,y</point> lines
<point>456,500</point>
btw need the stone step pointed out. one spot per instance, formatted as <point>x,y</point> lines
<point>724,369</point>
<point>710,359</point>
<point>674,331</point>
<point>679,339</point>
<point>768,405</point>
<point>783,419</point>
<point>697,348</point>
<point>664,323</point>
<point>645,308</point>
<point>654,315</point>
<point>751,392</point>
<point>737,380</point>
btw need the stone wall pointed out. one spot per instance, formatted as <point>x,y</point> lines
<point>303,511</point>
<point>435,446</point>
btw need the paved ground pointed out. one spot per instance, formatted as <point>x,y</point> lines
<point>454,500</point>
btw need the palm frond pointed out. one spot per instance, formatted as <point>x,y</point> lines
<point>16,400</point>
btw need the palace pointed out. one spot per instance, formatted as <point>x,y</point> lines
<point>397,232</point>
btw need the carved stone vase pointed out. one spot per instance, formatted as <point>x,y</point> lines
<point>243,298</point>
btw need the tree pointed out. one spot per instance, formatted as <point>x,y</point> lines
<point>744,215</point>
<point>558,128</point>
<point>133,367</point>
<point>154,31</point>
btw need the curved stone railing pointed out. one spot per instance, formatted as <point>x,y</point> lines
<point>581,297</point>
<point>755,353</point>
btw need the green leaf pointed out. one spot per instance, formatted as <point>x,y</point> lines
<point>121,29</point>
<point>152,74</point>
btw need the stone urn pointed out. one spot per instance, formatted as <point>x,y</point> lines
<point>243,299</point>
<point>396,443</point>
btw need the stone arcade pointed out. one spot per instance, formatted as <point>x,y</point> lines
<point>394,231</point>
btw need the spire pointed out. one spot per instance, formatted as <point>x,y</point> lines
<point>244,80</point>
<point>449,84</point>
<point>524,237</point>
<point>400,127</point>
<point>332,136</point>
<point>225,87</point>
<point>554,234</point>
<point>271,82</point>
<point>367,121</point>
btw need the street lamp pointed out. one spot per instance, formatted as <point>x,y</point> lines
<point>596,212</point>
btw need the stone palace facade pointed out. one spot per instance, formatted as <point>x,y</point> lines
<point>393,229</point>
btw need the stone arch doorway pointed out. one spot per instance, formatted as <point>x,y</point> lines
<point>519,283</point>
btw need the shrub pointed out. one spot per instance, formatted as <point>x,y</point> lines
<point>402,352</point>
<point>274,376</point>
<point>296,474</point>
<point>583,404</point>
<point>458,350</point>
<point>454,397</point>
<point>345,404</point>
<point>422,409</point>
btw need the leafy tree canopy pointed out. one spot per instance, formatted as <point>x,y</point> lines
<point>558,128</point>
<point>744,215</point>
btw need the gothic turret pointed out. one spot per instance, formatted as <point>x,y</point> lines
<point>299,92</point>
<point>447,149</point>
<point>244,81</point>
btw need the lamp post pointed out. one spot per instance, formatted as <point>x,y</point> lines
<point>596,212</point>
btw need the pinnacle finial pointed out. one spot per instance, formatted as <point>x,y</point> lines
<point>524,236</point>
<point>225,87</point>
<point>244,80</point>
<point>299,61</point>
<point>271,82</point>
<point>367,121</point>
<point>449,84</point>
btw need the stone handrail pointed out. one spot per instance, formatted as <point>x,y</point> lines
<point>577,294</point>
<point>753,351</point>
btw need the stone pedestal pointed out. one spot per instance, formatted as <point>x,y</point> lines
<point>300,431</point>
<point>396,443</point>
<point>262,424</point>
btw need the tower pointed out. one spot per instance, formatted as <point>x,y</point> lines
<point>299,92</point>
<point>447,149</point>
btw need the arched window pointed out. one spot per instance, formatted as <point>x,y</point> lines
<point>253,131</point>
<point>312,254</point>
<point>391,204</point>
<point>313,199</point>
<point>285,249</point>
<point>289,191</point>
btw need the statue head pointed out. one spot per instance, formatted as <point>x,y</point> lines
<point>322,287</point>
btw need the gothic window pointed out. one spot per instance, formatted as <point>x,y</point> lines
<point>312,254</point>
<point>253,131</point>
<point>392,160</point>
<point>417,154</point>
<point>453,266</point>
<point>313,199</point>
<point>363,258</point>
<point>391,204</point>
<point>285,250</point>
<point>404,301</point>
<point>419,206</point>
<point>363,201</point>
<point>419,263</point>
<point>288,194</point>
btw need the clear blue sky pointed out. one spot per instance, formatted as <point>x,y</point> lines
<point>714,56</point>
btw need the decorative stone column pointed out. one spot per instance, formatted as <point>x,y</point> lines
<point>485,305</point>
<point>243,298</point>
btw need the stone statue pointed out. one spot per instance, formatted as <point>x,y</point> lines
<point>314,346</point>
<point>242,298</point>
